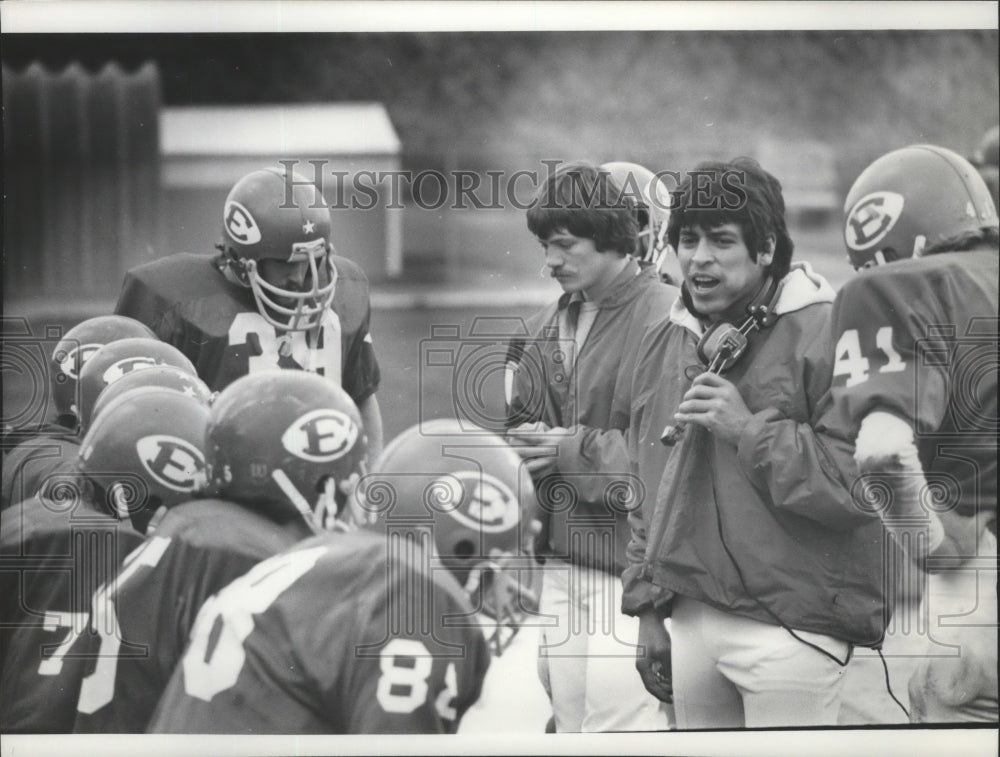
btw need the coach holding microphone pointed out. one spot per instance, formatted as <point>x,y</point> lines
<point>747,539</point>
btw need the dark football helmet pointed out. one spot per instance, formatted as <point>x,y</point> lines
<point>266,219</point>
<point>146,451</point>
<point>652,201</point>
<point>76,347</point>
<point>911,199</point>
<point>116,360</point>
<point>286,443</point>
<point>474,495</point>
<point>167,376</point>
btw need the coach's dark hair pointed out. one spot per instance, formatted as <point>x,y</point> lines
<point>585,201</point>
<point>739,192</point>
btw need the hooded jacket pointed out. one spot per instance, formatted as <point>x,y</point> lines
<point>584,497</point>
<point>766,528</point>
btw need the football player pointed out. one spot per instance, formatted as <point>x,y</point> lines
<point>915,379</point>
<point>652,199</point>
<point>114,361</point>
<point>143,453</point>
<point>373,631</point>
<point>162,375</point>
<point>32,454</point>
<point>569,390</point>
<point>280,448</point>
<point>276,295</point>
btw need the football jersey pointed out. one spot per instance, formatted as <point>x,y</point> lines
<point>333,636</point>
<point>53,557</point>
<point>188,302</point>
<point>918,338</point>
<point>196,549</point>
<point>34,460</point>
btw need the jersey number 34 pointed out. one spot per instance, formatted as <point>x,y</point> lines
<point>314,352</point>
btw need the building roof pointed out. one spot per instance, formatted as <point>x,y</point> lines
<point>355,128</point>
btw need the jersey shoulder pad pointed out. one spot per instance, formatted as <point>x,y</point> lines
<point>181,279</point>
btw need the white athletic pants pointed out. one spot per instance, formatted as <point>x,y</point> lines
<point>586,655</point>
<point>734,672</point>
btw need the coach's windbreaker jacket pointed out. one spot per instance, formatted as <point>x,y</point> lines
<point>767,528</point>
<point>585,498</point>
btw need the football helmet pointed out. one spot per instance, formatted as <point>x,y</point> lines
<point>146,451</point>
<point>911,199</point>
<point>652,201</point>
<point>76,347</point>
<point>270,215</point>
<point>167,376</point>
<point>472,493</point>
<point>117,359</point>
<point>286,443</point>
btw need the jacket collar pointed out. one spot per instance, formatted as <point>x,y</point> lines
<point>801,287</point>
<point>619,291</point>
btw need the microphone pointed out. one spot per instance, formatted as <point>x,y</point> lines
<point>721,346</point>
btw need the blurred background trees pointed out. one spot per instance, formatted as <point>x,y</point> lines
<point>666,99</point>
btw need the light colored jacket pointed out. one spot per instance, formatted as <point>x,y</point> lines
<point>585,496</point>
<point>766,528</point>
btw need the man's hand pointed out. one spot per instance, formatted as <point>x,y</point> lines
<point>652,658</point>
<point>716,404</point>
<point>537,443</point>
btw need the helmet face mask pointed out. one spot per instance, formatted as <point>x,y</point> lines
<point>271,216</point>
<point>289,309</point>
<point>495,586</point>
<point>910,200</point>
<point>471,498</point>
<point>286,443</point>
<point>650,195</point>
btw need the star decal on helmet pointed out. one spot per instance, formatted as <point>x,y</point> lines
<point>308,227</point>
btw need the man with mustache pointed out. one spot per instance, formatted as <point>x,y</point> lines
<point>568,409</point>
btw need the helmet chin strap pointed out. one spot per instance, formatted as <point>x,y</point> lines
<point>295,497</point>
<point>232,269</point>
<point>326,509</point>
